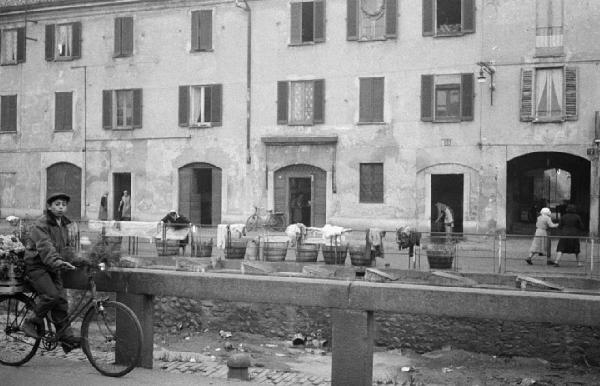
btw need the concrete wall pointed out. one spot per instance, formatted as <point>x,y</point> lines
<point>410,149</point>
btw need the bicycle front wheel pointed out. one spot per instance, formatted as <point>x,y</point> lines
<point>113,353</point>
<point>251,223</point>
<point>16,348</point>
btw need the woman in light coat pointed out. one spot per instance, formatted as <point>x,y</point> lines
<point>539,245</point>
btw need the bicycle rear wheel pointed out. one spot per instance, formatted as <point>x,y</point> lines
<point>112,354</point>
<point>16,348</point>
<point>251,223</point>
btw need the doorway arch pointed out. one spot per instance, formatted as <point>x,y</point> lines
<point>66,177</point>
<point>200,193</point>
<point>533,181</point>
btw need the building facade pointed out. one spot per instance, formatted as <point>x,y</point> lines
<point>352,112</point>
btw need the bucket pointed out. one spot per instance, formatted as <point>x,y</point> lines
<point>235,249</point>
<point>358,257</point>
<point>334,254</point>
<point>439,259</point>
<point>204,248</point>
<point>307,253</point>
<point>275,250</point>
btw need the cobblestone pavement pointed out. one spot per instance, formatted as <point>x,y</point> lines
<point>214,369</point>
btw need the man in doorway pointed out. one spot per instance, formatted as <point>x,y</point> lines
<point>125,207</point>
<point>445,217</point>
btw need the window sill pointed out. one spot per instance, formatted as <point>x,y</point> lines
<point>200,51</point>
<point>447,120</point>
<point>371,202</point>
<point>449,35</point>
<point>64,59</point>
<point>127,128</point>
<point>366,40</point>
<point>201,125</point>
<point>549,120</point>
<point>311,43</point>
<point>122,56</point>
<point>64,131</point>
<point>8,132</point>
<point>370,123</point>
<point>10,64</point>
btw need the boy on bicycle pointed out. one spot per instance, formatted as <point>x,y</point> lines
<point>47,251</point>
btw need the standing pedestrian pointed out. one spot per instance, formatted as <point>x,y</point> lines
<point>540,242</point>
<point>125,207</point>
<point>446,217</point>
<point>570,225</point>
<point>103,212</point>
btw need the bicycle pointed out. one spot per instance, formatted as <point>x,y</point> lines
<point>272,220</point>
<point>106,350</point>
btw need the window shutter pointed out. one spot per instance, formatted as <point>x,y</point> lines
<point>118,34</point>
<point>207,104</point>
<point>296,23</point>
<point>127,36</point>
<point>137,108</point>
<point>468,16</point>
<point>8,113</point>
<point>216,104</point>
<point>107,109</point>
<point>205,30</point>
<point>352,20</point>
<point>21,48</point>
<point>76,51</point>
<point>427,98</point>
<point>195,29</point>
<point>526,103</point>
<point>391,18</point>
<point>428,18</point>
<point>63,111</point>
<point>571,93</point>
<point>319,21</point>
<point>49,42</point>
<point>282,102</point>
<point>466,96</point>
<point>319,101</point>
<point>377,100</point>
<point>365,109</point>
<point>184,105</point>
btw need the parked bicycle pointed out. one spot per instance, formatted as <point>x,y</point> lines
<point>272,220</point>
<point>108,352</point>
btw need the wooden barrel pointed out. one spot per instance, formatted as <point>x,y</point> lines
<point>439,259</point>
<point>307,253</point>
<point>275,250</point>
<point>204,249</point>
<point>235,249</point>
<point>171,248</point>
<point>333,254</point>
<point>358,257</point>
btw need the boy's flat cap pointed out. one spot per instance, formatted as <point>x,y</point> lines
<point>56,196</point>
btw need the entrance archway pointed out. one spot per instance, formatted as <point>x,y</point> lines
<point>66,177</point>
<point>200,193</point>
<point>547,179</point>
<point>304,185</point>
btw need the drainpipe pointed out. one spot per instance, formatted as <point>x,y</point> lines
<point>84,148</point>
<point>246,8</point>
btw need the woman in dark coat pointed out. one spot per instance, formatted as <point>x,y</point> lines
<point>571,225</point>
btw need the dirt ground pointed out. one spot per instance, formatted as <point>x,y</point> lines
<point>442,367</point>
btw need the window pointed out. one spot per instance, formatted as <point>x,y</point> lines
<point>202,30</point>
<point>122,109</point>
<point>447,98</point>
<point>371,100</point>
<point>63,111</point>
<point>301,102</point>
<point>123,36</point>
<point>549,94</point>
<point>200,106</point>
<point>371,19</point>
<point>371,183</point>
<point>307,22</point>
<point>448,17</point>
<point>63,41</point>
<point>8,113</point>
<point>549,27</point>
<point>12,46</point>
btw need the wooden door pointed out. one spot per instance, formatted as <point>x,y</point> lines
<point>66,178</point>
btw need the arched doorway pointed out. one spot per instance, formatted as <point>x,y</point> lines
<point>300,193</point>
<point>65,177</point>
<point>200,193</point>
<point>549,179</point>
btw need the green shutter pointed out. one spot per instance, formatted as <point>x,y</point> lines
<point>127,36</point>
<point>216,105</point>
<point>63,111</point>
<point>282,102</point>
<point>21,48</point>
<point>468,16</point>
<point>184,105</point>
<point>352,19</point>
<point>319,21</point>
<point>526,102</point>
<point>466,96</point>
<point>571,93</point>
<point>428,18</point>
<point>76,43</point>
<point>107,118</point>
<point>137,108</point>
<point>391,18</point>
<point>49,43</point>
<point>205,38</point>
<point>8,113</point>
<point>195,29</point>
<point>319,101</point>
<point>377,99</point>
<point>118,33</point>
<point>365,103</point>
<point>427,98</point>
<point>296,23</point>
